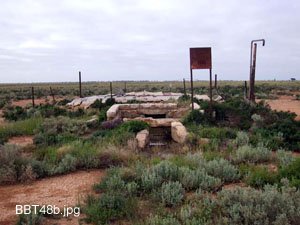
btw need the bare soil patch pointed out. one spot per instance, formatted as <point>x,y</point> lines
<point>21,140</point>
<point>65,190</point>
<point>285,103</point>
<point>37,101</point>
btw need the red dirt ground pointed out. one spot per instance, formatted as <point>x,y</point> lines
<point>21,140</point>
<point>60,191</point>
<point>285,103</point>
<point>37,101</point>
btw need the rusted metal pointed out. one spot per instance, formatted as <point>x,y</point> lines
<point>192,89</point>
<point>110,86</point>
<point>252,67</point>
<point>32,96</point>
<point>200,58</point>
<point>184,88</point>
<point>216,81</point>
<point>80,93</point>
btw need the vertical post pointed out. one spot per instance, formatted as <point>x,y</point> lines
<point>252,76</point>
<point>125,87</point>
<point>192,88</point>
<point>245,90</point>
<point>110,84</point>
<point>216,81</point>
<point>210,90</point>
<point>184,88</point>
<point>52,94</point>
<point>80,93</point>
<point>32,96</point>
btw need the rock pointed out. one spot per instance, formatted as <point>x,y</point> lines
<point>178,132</point>
<point>92,122</point>
<point>196,106</point>
<point>112,112</point>
<point>165,122</point>
<point>202,97</point>
<point>142,138</point>
<point>218,98</point>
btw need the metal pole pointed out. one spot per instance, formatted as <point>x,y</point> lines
<point>184,88</point>
<point>80,93</point>
<point>110,84</point>
<point>216,81</point>
<point>252,77</point>
<point>210,90</point>
<point>52,94</point>
<point>192,88</point>
<point>125,87</point>
<point>245,90</point>
<point>32,96</point>
<point>251,62</point>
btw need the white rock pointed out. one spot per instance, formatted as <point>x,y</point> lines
<point>196,106</point>
<point>178,132</point>
<point>142,138</point>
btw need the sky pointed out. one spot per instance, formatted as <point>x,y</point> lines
<point>108,40</point>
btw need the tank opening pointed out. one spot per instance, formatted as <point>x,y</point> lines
<point>160,136</point>
<point>156,116</point>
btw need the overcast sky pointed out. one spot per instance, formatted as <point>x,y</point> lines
<point>51,40</point>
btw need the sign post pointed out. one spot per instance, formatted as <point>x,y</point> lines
<point>200,58</point>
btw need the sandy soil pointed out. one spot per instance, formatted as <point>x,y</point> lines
<point>37,101</point>
<point>21,140</point>
<point>285,103</point>
<point>61,191</point>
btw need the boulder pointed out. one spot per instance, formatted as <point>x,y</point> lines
<point>178,132</point>
<point>142,138</point>
<point>112,112</point>
<point>92,122</point>
<point>196,106</point>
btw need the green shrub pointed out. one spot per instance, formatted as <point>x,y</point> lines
<point>222,169</point>
<point>241,138</point>
<point>265,207</point>
<point>195,117</point>
<point>134,126</point>
<point>195,179</point>
<point>67,164</point>
<point>109,207</point>
<point>292,172</point>
<point>22,127</point>
<point>167,171</point>
<point>260,176</point>
<point>284,157</point>
<point>158,220</point>
<point>172,193</point>
<point>251,154</point>
<point>31,218</point>
<point>150,181</point>
<point>59,129</point>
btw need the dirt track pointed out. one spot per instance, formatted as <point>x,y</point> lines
<point>60,191</point>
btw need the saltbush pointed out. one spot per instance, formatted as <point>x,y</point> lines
<point>194,179</point>
<point>172,193</point>
<point>222,169</point>
<point>262,207</point>
<point>159,220</point>
<point>242,138</point>
<point>251,154</point>
<point>260,176</point>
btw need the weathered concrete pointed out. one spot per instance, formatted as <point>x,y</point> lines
<point>168,110</point>
<point>165,122</point>
<point>178,132</point>
<point>142,138</point>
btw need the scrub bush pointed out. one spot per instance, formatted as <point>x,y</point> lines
<point>172,193</point>
<point>251,154</point>
<point>222,169</point>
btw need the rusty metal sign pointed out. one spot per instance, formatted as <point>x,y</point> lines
<point>200,58</point>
